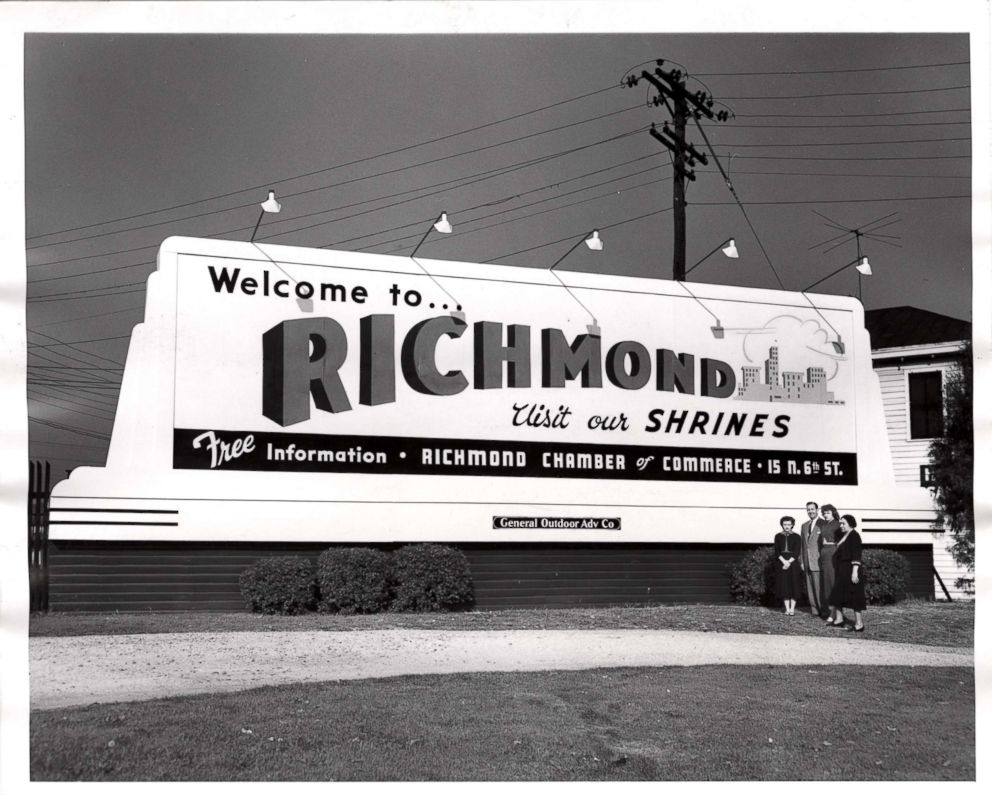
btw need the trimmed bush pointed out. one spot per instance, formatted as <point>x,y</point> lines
<point>431,577</point>
<point>279,585</point>
<point>353,580</point>
<point>752,579</point>
<point>886,573</point>
<point>886,576</point>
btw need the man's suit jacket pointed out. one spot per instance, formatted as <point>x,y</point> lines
<point>811,534</point>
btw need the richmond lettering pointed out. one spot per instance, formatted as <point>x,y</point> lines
<point>302,359</point>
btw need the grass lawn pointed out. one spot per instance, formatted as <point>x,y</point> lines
<point>701,723</point>
<point>912,621</point>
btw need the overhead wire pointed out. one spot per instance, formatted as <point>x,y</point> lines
<point>851,93</point>
<point>740,204</point>
<point>572,237</point>
<point>337,166</point>
<point>609,194</point>
<point>63,427</point>
<point>353,180</point>
<point>835,71</point>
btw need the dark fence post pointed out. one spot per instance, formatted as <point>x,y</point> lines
<point>942,586</point>
<point>43,557</point>
<point>39,488</point>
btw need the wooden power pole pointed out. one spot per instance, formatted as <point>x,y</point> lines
<point>681,104</point>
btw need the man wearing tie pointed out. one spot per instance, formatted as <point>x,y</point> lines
<point>809,560</point>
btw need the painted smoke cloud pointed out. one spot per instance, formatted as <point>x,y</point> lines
<point>789,360</point>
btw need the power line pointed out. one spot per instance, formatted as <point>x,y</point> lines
<point>47,356</point>
<point>847,143</point>
<point>841,201</point>
<point>33,395</point>
<point>62,368</point>
<point>420,223</point>
<point>67,408</point>
<point>572,237</point>
<point>32,345</point>
<point>92,256</point>
<point>483,176</point>
<point>842,159</point>
<point>197,216</point>
<point>33,442</point>
<point>331,168</point>
<point>853,93</point>
<point>528,216</point>
<point>846,115</point>
<point>90,317</point>
<point>111,287</point>
<point>240,229</point>
<point>843,126</point>
<point>90,273</point>
<point>61,427</point>
<point>835,71</point>
<point>70,345</point>
<point>737,200</point>
<point>96,401</point>
<point>77,297</point>
<point>842,174</point>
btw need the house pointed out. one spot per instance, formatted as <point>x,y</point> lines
<point>913,352</point>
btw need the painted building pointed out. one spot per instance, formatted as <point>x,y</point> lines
<point>581,437</point>
<point>913,352</point>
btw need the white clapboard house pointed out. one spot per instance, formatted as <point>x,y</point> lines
<point>913,352</point>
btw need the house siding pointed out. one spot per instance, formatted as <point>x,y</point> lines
<point>908,455</point>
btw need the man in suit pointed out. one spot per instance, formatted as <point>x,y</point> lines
<point>809,560</point>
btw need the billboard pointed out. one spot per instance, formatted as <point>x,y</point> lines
<point>298,394</point>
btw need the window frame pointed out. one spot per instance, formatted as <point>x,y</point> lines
<point>942,372</point>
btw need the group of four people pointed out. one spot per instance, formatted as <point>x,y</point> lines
<point>825,558</point>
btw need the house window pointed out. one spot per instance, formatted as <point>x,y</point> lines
<point>926,405</point>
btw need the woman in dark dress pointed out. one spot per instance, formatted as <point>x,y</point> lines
<point>829,530</point>
<point>788,577</point>
<point>849,584</point>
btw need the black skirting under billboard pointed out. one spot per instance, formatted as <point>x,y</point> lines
<point>155,575</point>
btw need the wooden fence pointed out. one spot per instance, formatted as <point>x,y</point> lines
<point>39,489</point>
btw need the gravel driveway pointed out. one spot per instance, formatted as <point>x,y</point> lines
<point>72,671</point>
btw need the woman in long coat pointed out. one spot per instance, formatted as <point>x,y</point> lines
<point>788,577</point>
<point>849,583</point>
<point>828,538</point>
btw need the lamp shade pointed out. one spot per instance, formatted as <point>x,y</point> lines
<point>863,267</point>
<point>731,249</point>
<point>442,224</point>
<point>270,205</point>
<point>594,241</point>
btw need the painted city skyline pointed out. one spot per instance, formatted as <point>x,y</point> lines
<point>795,387</point>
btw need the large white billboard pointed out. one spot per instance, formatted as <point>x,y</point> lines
<point>298,394</point>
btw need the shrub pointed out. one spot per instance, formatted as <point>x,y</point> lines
<point>752,579</point>
<point>353,580</point>
<point>431,577</point>
<point>886,576</point>
<point>886,573</point>
<point>279,585</point>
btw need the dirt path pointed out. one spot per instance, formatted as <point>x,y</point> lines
<point>72,671</point>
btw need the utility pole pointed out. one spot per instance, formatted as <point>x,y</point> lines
<point>681,104</point>
<point>678,185</point>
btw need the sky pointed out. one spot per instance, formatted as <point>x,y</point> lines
<point>527,141</point>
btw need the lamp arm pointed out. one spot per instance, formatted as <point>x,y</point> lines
<point>833,273</point>
<point>696,299</point>
<point>429,228</point>
<point>257,224</point>
<point>562,257</point>
<point>706,257</point>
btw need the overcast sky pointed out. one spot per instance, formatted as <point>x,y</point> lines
<point>365,138</point>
